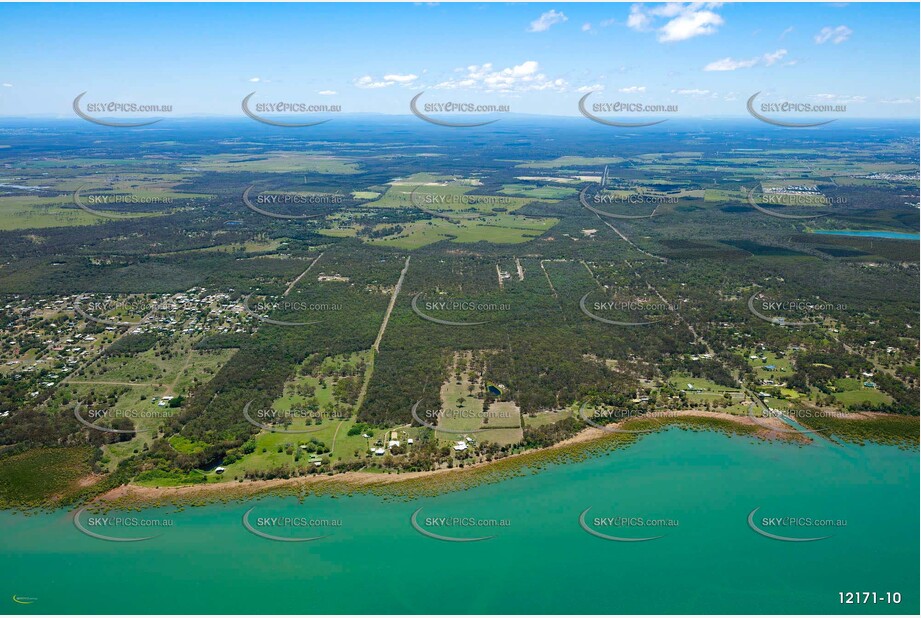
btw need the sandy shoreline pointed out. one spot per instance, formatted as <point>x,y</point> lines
<point>139,494</point>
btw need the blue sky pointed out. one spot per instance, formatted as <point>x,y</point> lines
<point>707,58</point>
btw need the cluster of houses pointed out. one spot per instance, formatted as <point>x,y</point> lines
<point>393,442</point>
<point>45,339</point>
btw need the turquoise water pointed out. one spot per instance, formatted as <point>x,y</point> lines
<point>542,562</point>
<point>870,234</point>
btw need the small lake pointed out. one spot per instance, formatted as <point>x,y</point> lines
<point>870,234</point>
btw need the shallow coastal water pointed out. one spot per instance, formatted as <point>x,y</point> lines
<point>541,562</point>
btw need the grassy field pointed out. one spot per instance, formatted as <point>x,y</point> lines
<point>317,410</point>
<point>43,211</point>
<point>703,391</point>
<point>277,162</point>
<point>858,397</point>
<point>28,212</point>
<point>43,476</point>
<point>498,229</point>
<point>445,194</point>
<point>538,192</point>
<point>462,403</point>
<point>572,161</point>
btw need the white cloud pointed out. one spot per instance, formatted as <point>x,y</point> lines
<point>401,79</point>
<point>592,88</point>
<point>786,32</point>
<point>550,18</point>
<point>392,79</point>
<point>684,20</point>
<point>6,85</point>
<point>327,93</point>
<point>838,99</point>
<point>690,25</point>
<point>255,80</point>
<point>368,82</point>
<point>586,27</point>
<point>731,64</point>
<point>838,34</point>
<point>694,92</point>
<point>638,20</point>
<point>886,101</point>
<point>633,89</point>
<point>769,59</point>
<point>519,78</point>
